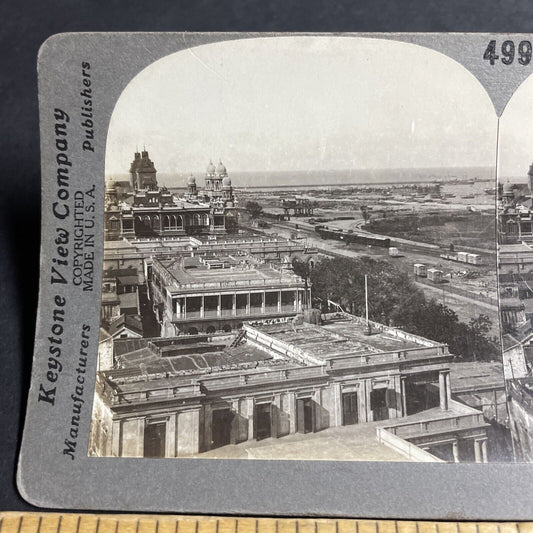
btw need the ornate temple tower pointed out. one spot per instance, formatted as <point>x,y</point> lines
<point>214,178</point>
<point>221,173</point>
<point>508,195</point>
<point>133,170</point>
<point>191,186</point>
<point>227,192</point>
<point>143,172</point>
<point>210,177</point>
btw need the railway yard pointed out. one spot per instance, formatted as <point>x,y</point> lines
<point>454,240</point>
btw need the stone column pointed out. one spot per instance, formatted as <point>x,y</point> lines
<point>196,440</point>
<point>178,308</point>
<point>317,398</point>
<point>292,412</point>
<point>116,437</point>
<point>188,432</point>
<point>397,392</point>
<point>279,301</point>
<point>184,312</point>
<point>202,307</point>
<point>250,416</point>
<point>219,305</point>
<point>443,395</point>
<point>274,413</point>
<point>171,441</point>
<point>234,305</point>
<point>404,395</point>
<point>141,423</point>
<point>248,303</point>
<point>448,388</point>
<point>337,403</point>
<point>477,451</point>
<point>208,427</point>
<point>455,450</point>
<point>234,434</point>
<point>369,416</point>
<point>484,456</point>
<point>295,303</point>
<point>263,302</point>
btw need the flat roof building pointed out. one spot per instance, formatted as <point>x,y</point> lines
<point>206,294</point>
<point>133,253</point>
<point>194,395</point>
<point>520,402</point>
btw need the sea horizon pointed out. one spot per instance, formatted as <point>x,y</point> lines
<point>327,178</point>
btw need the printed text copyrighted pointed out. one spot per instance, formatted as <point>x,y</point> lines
<point>72,263</point>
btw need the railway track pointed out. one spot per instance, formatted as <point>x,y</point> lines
<point>404,245</point>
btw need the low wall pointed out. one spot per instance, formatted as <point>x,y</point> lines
<point>405,448</point>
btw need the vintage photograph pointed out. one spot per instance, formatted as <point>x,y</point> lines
<point>300,258</point>
<point>515,264</point>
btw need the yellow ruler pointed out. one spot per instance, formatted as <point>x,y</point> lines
<point>13,522</point>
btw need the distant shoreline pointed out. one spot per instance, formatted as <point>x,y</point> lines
<point>333,178</point>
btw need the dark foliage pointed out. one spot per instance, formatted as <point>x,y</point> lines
<point>254,209</point>
<point>395,300</point>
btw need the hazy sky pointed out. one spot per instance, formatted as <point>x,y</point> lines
<point>516,133</point>
<point>300,103</point>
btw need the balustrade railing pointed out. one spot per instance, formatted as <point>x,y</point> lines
<point>448,423</point>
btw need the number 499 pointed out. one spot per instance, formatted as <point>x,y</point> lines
<point>508,52</point>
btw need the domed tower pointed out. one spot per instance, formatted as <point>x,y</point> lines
<point>227,190</point>
<point>111,193</point>
<point>507,194</point>
<point>191,186</point>
<point>221,173</point>
<point>210,176</point>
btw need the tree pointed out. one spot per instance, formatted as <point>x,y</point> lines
<point>395,300</point>
<point>365,213</point>
<point>302,268</point>
<point>254,209</point>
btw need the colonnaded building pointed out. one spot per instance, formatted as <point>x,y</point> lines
<point>141,208</point>
<point>276,380</point>
<point>194,294</point>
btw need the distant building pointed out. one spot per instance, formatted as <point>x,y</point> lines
<point>297,207</point>
<point>515,258</point>
<point>136,253</point>
<point>126,327</point>
<point>480,384</point>
<point>120,294</point>
<point>515,212</point>
<point>184,396</point>
<point>148,210</point>
<point>520,394</point>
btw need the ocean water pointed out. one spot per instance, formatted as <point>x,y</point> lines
<point>328,178</point>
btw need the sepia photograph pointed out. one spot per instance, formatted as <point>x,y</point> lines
<point>300,258</point>
<point>515,264</point>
